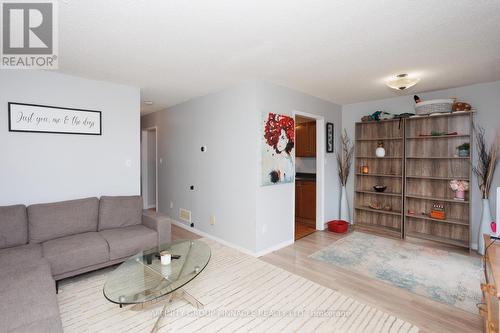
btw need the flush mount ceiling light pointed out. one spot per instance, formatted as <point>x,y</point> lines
<point>402,82</point>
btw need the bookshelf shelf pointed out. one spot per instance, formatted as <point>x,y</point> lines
<point>378,175</point>
<point>380,193</point>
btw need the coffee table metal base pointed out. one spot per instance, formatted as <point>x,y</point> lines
<point>166,300</point>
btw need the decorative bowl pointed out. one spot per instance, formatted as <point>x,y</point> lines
<point>379,188</point>
<point>338,226</point>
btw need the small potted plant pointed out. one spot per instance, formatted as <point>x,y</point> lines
<point>459,187</point>
<point>463,150</point>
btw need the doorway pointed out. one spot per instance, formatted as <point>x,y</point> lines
<point>149,168</point>
<point>305,176</point>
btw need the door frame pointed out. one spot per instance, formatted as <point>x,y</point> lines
<point>147,130</point>
<point>320,169</point>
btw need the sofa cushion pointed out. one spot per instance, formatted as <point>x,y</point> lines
<point>28,299</point>
<point>116,212</point>
<point>59,219</point>
<point>13,226</point>
<point>128,241</point>
<point>20,255</point>
<point>70,253</point>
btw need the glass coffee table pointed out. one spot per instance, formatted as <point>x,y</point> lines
<point>142,281</point>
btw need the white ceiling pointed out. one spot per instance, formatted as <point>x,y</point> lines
<point>338,50</point>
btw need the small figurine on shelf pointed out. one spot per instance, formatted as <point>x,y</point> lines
<point>459,187</point>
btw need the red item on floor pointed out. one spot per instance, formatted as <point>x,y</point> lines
<point>338,226</point>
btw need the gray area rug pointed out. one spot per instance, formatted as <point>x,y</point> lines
<point>443,276</point>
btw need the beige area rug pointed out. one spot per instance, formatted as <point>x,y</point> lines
<point>240,294</point>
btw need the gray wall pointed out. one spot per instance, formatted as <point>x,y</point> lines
<point>275,204</point>
<point>40,167</point>
<point>485,98</point>
<point>224,176</point>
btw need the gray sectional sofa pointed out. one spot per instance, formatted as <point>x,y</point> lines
<point>43,243</point>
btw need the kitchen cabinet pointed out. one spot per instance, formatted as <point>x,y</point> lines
<point>305,202</point>
<point>305,139</point>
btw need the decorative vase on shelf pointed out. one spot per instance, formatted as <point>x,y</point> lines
<point>484,226</point>
<point>459,195</point>
<point>380,151</point>
<point>344,206</point>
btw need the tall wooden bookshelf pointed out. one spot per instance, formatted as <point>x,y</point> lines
<point>386,171</point>
<point>417,170</point>
<point>431,163</point>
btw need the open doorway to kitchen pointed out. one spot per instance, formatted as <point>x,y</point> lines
<point>149,168</point>
<point>305,176</point>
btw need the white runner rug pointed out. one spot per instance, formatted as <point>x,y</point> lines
<point>240,294</point>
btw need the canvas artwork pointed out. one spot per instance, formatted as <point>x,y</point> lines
<point>277,149</point>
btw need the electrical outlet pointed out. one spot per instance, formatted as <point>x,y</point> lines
<point>185,215</point>
<point>212,220</point>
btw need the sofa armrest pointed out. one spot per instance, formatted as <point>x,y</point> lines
<point>161,224</point>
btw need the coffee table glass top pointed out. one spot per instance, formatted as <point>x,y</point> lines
<point>143,278</point>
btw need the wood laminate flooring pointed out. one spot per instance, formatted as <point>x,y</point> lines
<point>428,315</point>
<point>302,230</point>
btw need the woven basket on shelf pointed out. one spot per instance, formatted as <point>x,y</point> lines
<point>434,106</point>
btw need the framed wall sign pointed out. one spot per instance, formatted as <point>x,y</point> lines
<point>329,138</point>
<point>52,119</point>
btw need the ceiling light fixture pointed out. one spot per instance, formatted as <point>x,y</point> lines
<point>402,82</point>
<point>148,102</point>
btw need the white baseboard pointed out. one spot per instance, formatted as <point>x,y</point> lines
<point>226,243</point>
<point>204,234</point>
<point>150,206</point>
<point>274,248</point>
